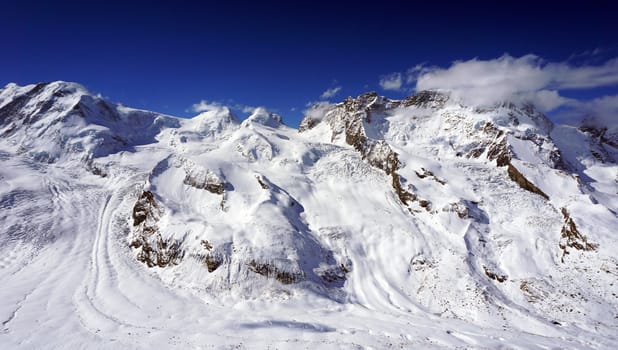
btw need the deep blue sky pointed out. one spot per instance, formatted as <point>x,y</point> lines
<point>282,55</point>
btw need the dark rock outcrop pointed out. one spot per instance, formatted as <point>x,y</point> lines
<point>424,173</point>
<point>145,208</point>
<point>349,118</point>
<point>524,183</point>
<point>494,143</point>
<point>261,182</point>
<point>210,184</point>
<point>572,238</point>
<point>152,249</point>
<point>426,99</point>
<point>270,271</point>
<point>213,261</point>
<point>494,276</point>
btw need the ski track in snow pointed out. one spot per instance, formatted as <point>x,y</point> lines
<point>94,293</point>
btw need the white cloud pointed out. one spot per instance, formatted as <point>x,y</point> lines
<point>605,111</point>
<point>602,111</point>
<point>586,77</point>
<point>545,100</point>
<point>244,108</point>
<point>330,92</point>
<point>204,106</point>
<point>606,105</point>
<point>317,110</point>
<point>413,73</point>
<point>486,82</point>
<point>391,81</point>
<point>524,79</point>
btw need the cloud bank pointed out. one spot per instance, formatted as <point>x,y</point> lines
<point>601,111</point>
<point>391,81</point>
<point>526,79</point>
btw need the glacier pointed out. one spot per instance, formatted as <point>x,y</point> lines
<point>377,223</point>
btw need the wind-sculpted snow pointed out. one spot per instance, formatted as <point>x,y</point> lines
<point>419,223</point>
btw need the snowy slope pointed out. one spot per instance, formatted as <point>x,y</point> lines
<point>378,223</point>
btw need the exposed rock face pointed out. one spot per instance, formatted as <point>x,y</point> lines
<point>146,208</point>
<point>519,179</point>
<point>498,149</point>
<point>213,261</point>
<point>493,144</point>
<point>572,238</point>
<point>424,173</point>
<point>494,139</point>
<point>604,142</point>
<point>602,131</point>
<point>494,276</point>
<point>208,182</point>
<point>334,274</point>
<point>459,208</point>
<point>258,211</point>
<point>426,99</point>
<point>271,271</point>
<point>349,119</point>
<point>307,123</point>
<point>261,182</point>
<point>213,257</point>
<point>151,248</point>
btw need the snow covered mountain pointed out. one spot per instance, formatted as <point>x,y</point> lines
<point>378,223</point>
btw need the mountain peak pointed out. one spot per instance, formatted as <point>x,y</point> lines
<point>220,112</point>
<point>426,99</point>
<point>66,86</point>
<point>214,120</point>
<point>262,116</point>
<point>379,207</point>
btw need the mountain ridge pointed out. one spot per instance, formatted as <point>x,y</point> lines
<point>421,209</point>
